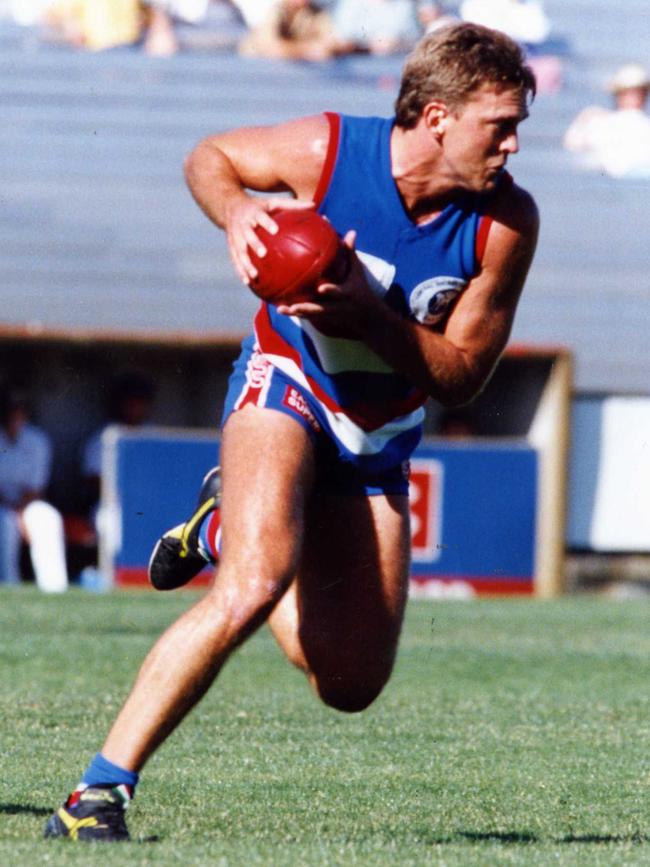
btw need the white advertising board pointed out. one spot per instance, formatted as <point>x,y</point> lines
<point>609,474</point>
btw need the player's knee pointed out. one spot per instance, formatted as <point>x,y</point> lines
<point>244,604</point>
<point>349,697</point>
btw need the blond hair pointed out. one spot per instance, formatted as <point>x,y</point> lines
<point>453,62</point>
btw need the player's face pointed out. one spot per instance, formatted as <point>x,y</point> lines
<point>481,135</point>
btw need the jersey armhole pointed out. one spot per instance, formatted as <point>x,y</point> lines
<point>485,224</point>
<point>334,121</point>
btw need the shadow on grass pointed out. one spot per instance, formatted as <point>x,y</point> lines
<point>518,838</point>
<point>17,809</point>
<point>508,838</point>
<point>603,838</point>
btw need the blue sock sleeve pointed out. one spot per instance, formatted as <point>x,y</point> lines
<point>101,772</point>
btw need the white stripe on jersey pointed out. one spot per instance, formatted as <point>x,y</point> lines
<point>340,354</point>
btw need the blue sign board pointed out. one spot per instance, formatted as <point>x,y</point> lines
<point>473,505</point>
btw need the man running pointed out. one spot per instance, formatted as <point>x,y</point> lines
<point>325,403</point>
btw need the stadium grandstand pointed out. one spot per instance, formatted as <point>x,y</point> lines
<point>103,251</point>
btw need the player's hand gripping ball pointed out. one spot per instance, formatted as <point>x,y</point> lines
<point>305,251</point>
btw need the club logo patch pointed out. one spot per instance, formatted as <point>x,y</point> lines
<point>257,370</point>
<point>432,299</point>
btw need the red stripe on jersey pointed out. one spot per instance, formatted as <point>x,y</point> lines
<point>334,121</point>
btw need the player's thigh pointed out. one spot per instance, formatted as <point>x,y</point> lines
<point>267,470</point>
<point>351,591</point>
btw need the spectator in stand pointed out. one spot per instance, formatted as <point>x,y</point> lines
<point>28,12</point>
<point>96,24</point>
<point>294,30</point>
<point>377,26</point>
<point>130,403</point>
<point>433,15</point>
<point>25,464</point>
<point>160,38</point>
<point>527,23</point>
<point>254,12</point>
<point>616,141</point>
<point>523,20</point>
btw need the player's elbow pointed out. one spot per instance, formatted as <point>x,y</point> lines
<point>466,381</point>
<point>191,165</point>
<point>453,401</point>
<point>458,392</point>
<point>203,158</point>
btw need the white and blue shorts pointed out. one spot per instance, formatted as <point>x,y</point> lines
<point>256,381</point>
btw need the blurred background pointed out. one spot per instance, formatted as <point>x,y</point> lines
<point>116,290</point>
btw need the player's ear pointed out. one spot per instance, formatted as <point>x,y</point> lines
<point>435,115</point>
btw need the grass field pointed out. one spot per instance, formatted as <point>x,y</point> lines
<point>513,732</point>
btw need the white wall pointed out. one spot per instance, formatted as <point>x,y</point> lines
<point>609,474</point>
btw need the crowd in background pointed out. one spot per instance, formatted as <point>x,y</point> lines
<point>615,141</point>
<point>294,29</point>
<point>29,523</point>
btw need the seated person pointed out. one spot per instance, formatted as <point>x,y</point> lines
<point>130,402</point>
<point>377,26</point>
<point>96,24</point>
<point>160,38</point>
<point>527,23</point>
<point>25,463</point>
<point>523,20</point>
<point>293,30</point>
<point>25,12</point>
<point>254,12</point>
<point>433,15</point>
<point>616,140</point>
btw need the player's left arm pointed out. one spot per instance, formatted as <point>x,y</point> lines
<point>478,329</point>
<point>452,366</point>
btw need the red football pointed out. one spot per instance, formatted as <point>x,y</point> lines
<point>305,248</point>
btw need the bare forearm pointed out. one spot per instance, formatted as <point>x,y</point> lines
<point>213,182</point>
<point>427,358</point>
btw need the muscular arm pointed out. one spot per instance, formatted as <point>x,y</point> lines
<point>454,366</point>
<point>222,169</point>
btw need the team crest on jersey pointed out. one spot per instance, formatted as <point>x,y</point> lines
<point>432,299</point>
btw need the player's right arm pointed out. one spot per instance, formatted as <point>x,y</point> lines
<point>223,168</point>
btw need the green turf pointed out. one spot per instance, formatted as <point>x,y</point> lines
<point>513,732</point>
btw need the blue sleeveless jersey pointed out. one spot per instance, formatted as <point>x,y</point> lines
<point>374,413</point>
